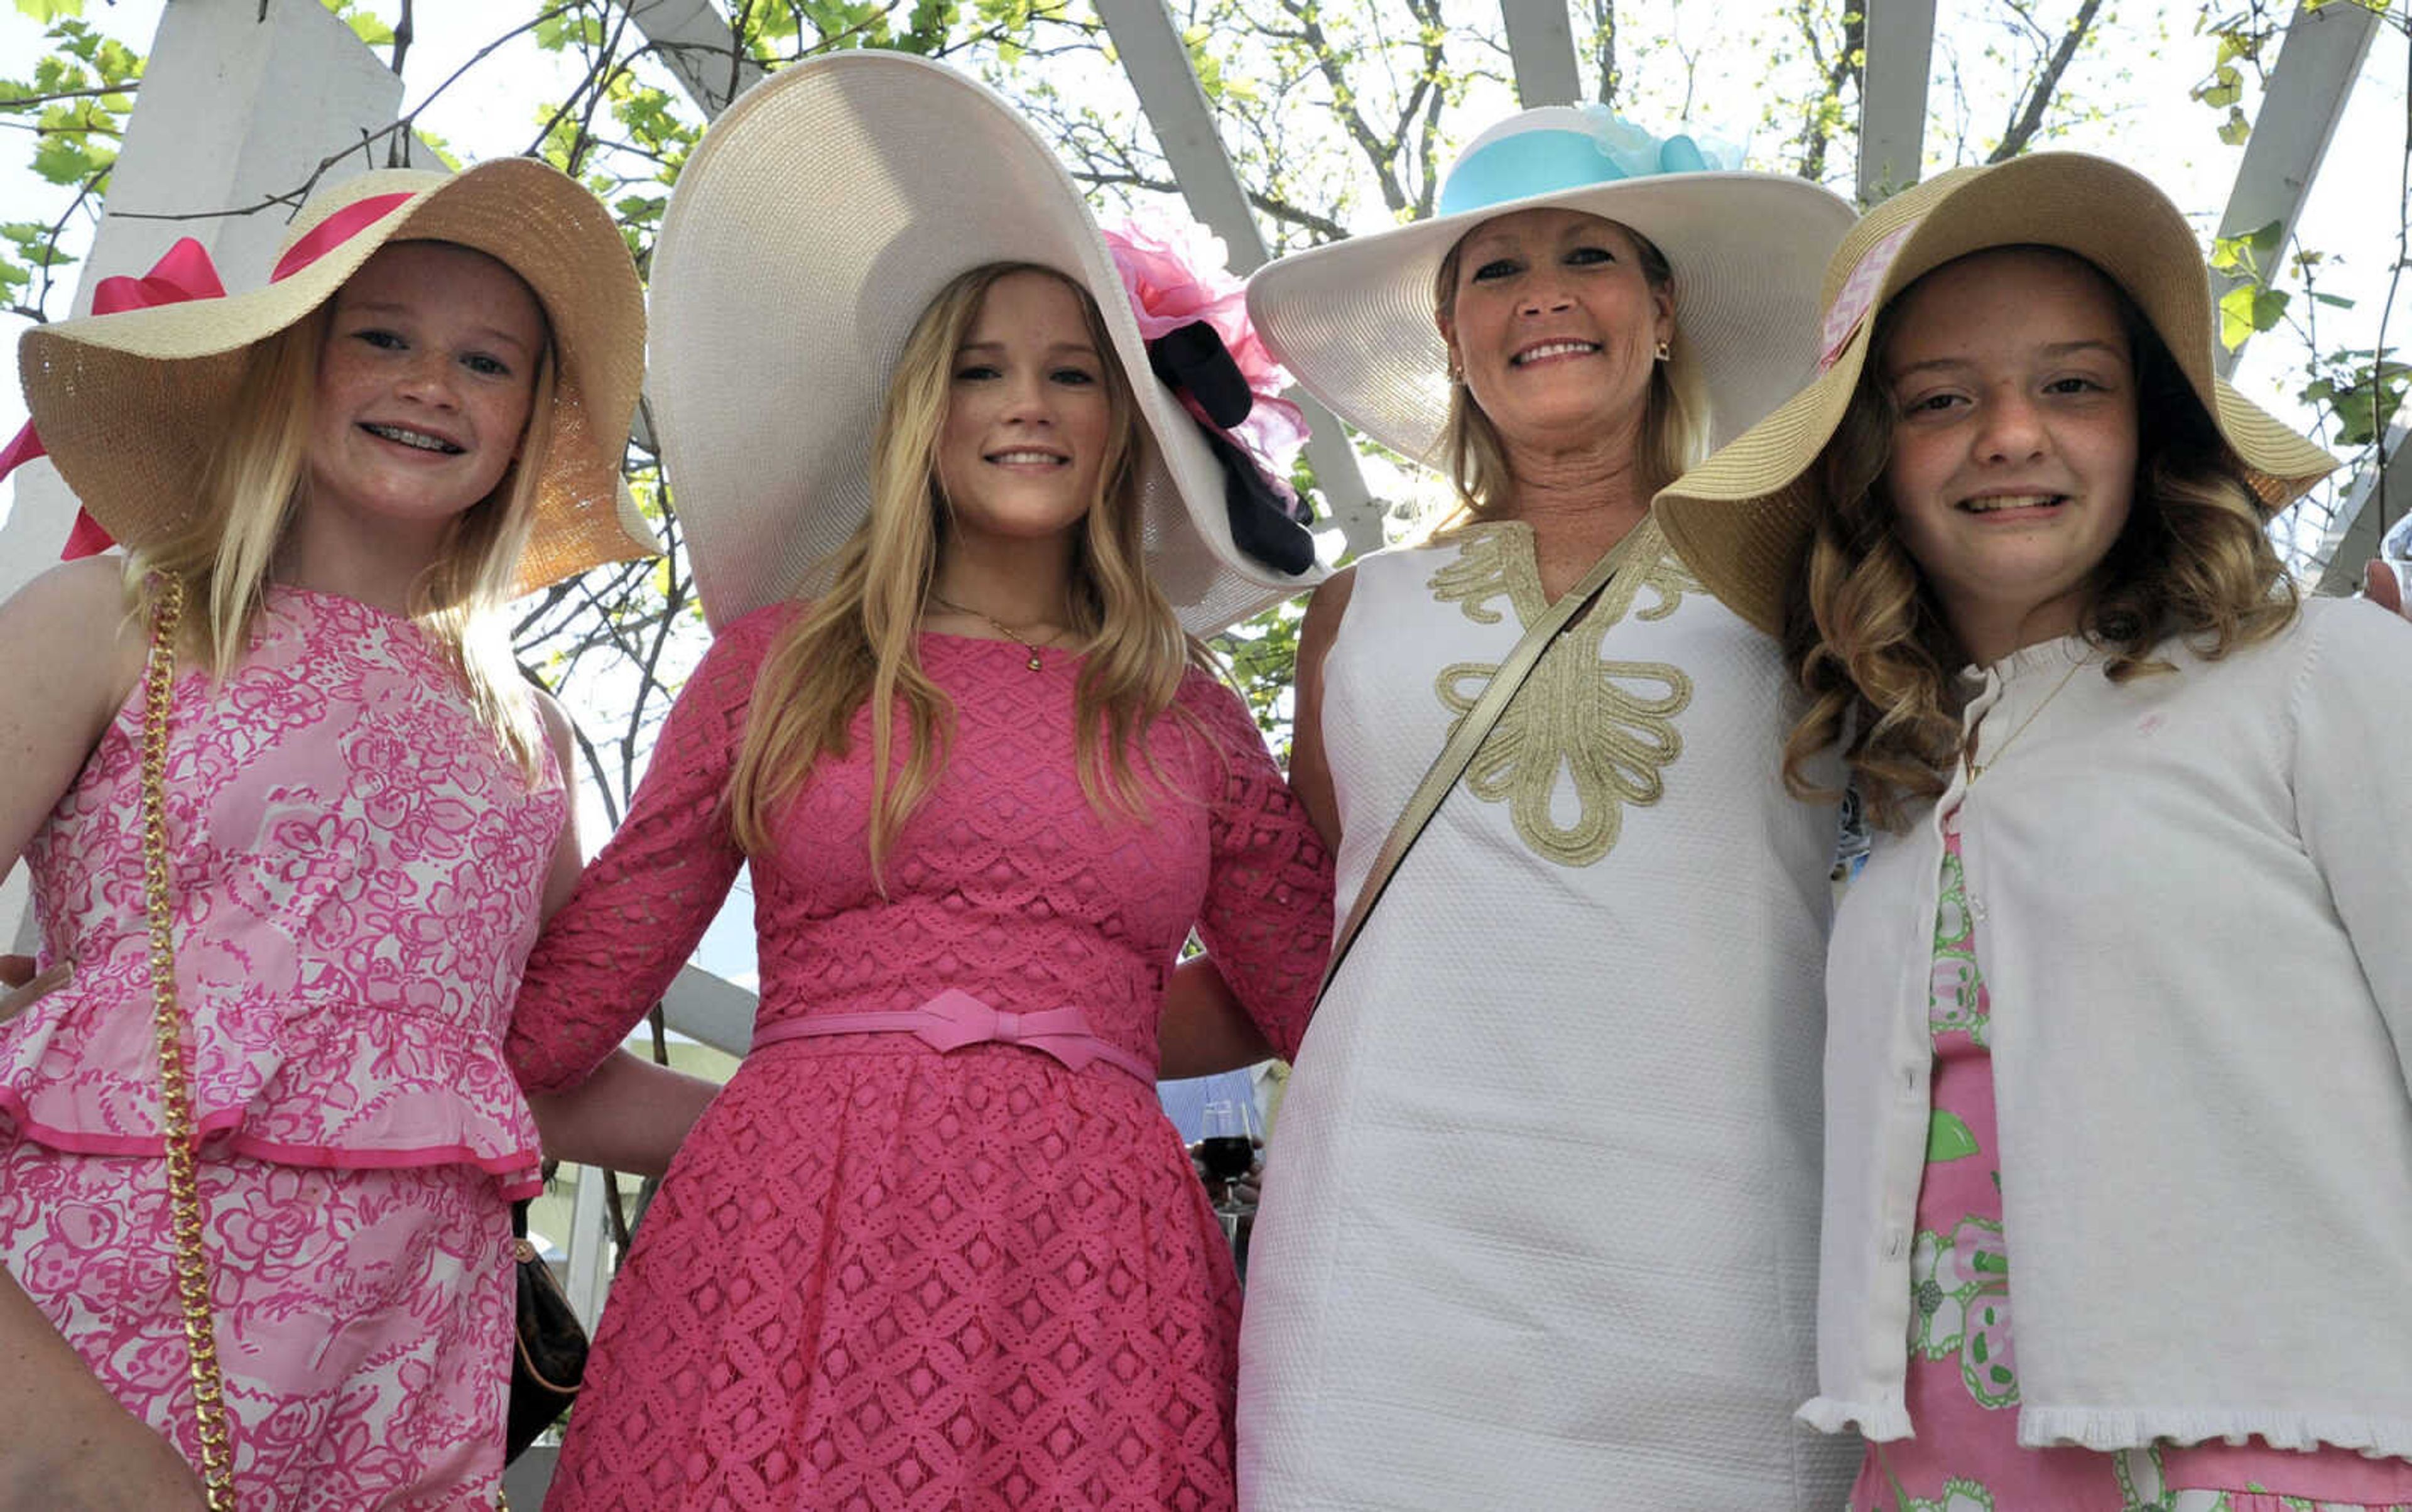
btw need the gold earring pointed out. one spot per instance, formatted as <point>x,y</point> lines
<point>1455,370</point>
<point>1663,353</point>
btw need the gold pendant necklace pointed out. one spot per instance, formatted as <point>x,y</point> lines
<point>1968,755</point>
<point>999,625</point>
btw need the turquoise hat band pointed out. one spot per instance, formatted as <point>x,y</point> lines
<point>1550,161</point>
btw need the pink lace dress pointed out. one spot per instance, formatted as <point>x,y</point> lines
<point>357,868</point>
<point>884,1275</point>
<point>1963,1386</point>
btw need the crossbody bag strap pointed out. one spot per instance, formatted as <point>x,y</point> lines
<point>192,1269</point>
<point>1467,738</point>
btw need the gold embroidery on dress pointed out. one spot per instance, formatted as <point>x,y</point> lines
<point>1604,728</point>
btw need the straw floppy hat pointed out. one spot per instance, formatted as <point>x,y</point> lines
<point>129,406</point>
<point>1354,319</point>
<point>818,216</point>
<point>1742,518</point>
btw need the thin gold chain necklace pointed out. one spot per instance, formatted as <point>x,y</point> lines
<point>1968,755</point>
<point>999,625</point>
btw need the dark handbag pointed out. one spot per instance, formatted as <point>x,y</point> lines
<point>549,1352</point>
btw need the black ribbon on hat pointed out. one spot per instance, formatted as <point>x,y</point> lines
<point>1269,525</point>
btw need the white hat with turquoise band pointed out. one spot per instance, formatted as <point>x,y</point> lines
<point>1353,319</point>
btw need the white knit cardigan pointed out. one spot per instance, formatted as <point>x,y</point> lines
<point>2193,902</point>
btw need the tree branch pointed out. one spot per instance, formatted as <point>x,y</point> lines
<point>18,102</point>
<point>2029,117</point>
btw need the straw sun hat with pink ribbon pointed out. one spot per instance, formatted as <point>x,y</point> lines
<point>1743,518</point>
<point>130,404</point>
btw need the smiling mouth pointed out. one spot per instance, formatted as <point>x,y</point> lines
<point>1028,459</point>
<point>419,440</point>
<point>1550,349</point>
<point>1997,503</point>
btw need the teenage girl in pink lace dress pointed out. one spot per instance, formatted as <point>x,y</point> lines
<point>346,472</point>
<point>2118,1064</point>
<point>935,1245</point>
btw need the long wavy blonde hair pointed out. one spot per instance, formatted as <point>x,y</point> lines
<point>1674,416</point>
<point>1867,639</point>
<point>256,480</point>
<point>855,644</point>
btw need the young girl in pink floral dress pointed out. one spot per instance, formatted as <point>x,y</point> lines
<point>2118,1198</point>
<point>935,1245</point>
<point>331,483</point>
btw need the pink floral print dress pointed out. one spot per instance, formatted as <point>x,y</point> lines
<point>357,867</point>
<point>886,1275</point>
<point>1963,1385</point>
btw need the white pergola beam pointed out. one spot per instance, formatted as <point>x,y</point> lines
<point>2353,536</point>
<point>1893,96</point>
<point>2308,89</point>
<point>710,1010</point>
<point>1157,62</point>
<point>699,49</point>
<point>1541,43</point>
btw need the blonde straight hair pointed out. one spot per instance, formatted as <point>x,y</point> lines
<point>1674,416</point>
<point>256,480</point>
<point>855,644</point>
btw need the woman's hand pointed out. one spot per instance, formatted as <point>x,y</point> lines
<point>2384,587</point>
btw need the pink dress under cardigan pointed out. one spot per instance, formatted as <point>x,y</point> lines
<point>884,1275</point>
<point>1963,1385</point>
<point>357,867</point>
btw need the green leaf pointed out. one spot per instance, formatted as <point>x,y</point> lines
<point>2235,129</point>
<point>2236,316</point>
<point>65,161</point>
<point>369,29</point>
<point>1948,1137</point>
<point>46,11</point>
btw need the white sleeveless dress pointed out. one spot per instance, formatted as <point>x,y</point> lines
<point>1540,1224</point>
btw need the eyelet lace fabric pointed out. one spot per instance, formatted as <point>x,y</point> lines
<point>879,1276</point>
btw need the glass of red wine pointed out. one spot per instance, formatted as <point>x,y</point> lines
<point>1227,1149</point>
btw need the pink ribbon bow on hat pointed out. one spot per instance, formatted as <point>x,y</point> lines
<point>186,272</point>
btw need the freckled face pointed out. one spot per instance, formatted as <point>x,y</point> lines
<point>1555,325</point>
<point>1029,417</point>
<point>2014,442</point>
<point>424,382</point>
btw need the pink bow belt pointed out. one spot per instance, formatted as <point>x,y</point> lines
<point>954,1019</point>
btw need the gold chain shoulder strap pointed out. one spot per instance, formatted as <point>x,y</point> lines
<point>175,1091</point>
<point>1467,738</point>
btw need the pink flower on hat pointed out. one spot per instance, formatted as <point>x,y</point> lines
<point>1176,273</point>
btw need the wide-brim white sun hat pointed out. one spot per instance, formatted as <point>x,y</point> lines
<point>1354,319</point>
<point>815,220</point>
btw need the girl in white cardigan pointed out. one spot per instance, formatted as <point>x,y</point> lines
<point>2119,1142</point>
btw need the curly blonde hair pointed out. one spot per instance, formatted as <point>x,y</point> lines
<point>1866,637</point>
